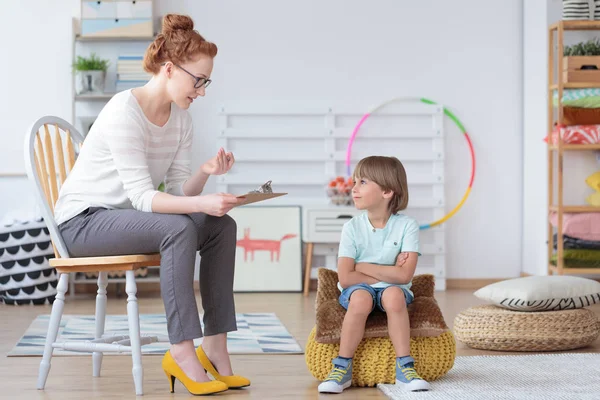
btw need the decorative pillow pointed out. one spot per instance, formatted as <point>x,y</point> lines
<point>579,225</point>
<point>587,97</point>
<point>574,243</point>
<point>425,316</point>
<point>581,116</point>
<point>593,181</point>
<point>579,258</point>
<point>577,134</point>
<point>593,199</point>
<point>542,293</point>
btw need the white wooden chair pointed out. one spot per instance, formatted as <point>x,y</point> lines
<point>44,152</point>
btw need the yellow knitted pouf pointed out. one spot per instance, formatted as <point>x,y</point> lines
<point>375,360</point>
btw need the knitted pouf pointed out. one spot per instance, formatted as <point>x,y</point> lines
<point>375,360</point>
<point>490,327</point>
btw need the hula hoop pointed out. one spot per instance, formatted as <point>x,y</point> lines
<point>454,119</point>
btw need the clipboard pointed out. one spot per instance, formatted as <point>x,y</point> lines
<point>256,197</point>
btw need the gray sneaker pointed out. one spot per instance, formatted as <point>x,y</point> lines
<point>339,378</point>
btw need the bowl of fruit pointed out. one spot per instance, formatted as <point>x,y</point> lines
<point>339,191</point>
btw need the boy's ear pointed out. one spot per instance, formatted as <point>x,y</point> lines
<point>388,194</point>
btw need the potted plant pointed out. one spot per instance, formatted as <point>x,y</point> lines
<point>581,62</point>
<point>91,74</point>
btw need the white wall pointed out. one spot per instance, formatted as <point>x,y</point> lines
<point>535,171</point>
<point>36,81</point>
<point>272,51</point>
<point>449,51</point>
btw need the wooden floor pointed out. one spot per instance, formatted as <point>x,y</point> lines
<point>273,376</point>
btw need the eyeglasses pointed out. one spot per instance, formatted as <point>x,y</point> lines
<point>200,81</point>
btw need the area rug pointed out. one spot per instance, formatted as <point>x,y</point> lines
<point>258,333</point>
<point>522,377</point>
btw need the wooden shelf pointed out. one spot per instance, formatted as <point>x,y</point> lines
<point>574,271</point>
<point>576,85</point>
<point>576,25</point>
<point>555,190</point>
<point>577,147</point>
<point>79,38</point>
<point>576,209</point>
<point>98,97</point>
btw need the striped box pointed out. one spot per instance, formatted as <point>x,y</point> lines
<point>581,10</point>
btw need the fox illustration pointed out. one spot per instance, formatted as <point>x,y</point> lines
<point>251,245</point>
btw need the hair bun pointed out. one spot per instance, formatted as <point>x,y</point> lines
<point>176,22</point>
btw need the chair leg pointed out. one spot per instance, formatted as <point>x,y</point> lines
<point>133,317</point>
<point>100,320</point>
<point>308,269</point>
<point>54,324</point>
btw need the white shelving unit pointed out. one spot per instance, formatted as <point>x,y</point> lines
<point>300,147</point>
<point>85,107</point>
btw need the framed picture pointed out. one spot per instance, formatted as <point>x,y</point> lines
<point>269,249</point>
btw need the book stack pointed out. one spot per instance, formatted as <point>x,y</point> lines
<point>130,72</point>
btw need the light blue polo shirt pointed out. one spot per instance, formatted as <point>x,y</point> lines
<point>364,243</point>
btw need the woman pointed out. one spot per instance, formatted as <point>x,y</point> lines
<point>110,205</point>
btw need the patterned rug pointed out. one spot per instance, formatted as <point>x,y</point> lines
<point>563,376</point>
<point>258,333</point>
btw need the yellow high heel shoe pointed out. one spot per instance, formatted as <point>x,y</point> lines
<point>196,388</point>
<point>232,381</point>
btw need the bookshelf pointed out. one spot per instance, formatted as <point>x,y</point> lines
<point>556,151</point>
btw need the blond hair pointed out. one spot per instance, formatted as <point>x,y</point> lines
<point>389,174</point>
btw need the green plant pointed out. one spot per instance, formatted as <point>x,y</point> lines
<point>589,48</point>
<point>92,63</point>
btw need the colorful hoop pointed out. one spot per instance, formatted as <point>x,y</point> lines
<point>456,122</point>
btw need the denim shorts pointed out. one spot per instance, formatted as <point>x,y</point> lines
<point>375,293</point>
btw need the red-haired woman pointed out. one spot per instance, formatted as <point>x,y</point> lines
<point>110,205</point>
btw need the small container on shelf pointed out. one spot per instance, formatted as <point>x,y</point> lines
<point>339,191</point>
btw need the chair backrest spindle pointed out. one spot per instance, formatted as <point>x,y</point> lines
<point>48,165</point>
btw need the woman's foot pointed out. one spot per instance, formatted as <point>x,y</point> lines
<point>185,356</point>
<point>215,348</point>
<point>213,356</point>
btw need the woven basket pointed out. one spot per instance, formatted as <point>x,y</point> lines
<point>491,327</point>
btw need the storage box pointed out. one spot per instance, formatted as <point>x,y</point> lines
<point>581,69</point>
<point>117,18</point>
<point>116,9</point>
<point>580,10</point>
<point>117,28</point>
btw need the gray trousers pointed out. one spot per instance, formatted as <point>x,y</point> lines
<point>101,232</point>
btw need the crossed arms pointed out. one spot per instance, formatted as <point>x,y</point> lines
<point>351,273</point>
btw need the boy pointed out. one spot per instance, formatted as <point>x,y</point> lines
<point>376,262</point>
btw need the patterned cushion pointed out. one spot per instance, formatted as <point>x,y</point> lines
<point>541,293</point>
<point>577,134</point>
<point>25,275</point>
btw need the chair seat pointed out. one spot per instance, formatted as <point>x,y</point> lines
<point>105,263</point>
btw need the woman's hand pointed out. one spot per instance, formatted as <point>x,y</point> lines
<point>217,204</point>
<point>219,164</point>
